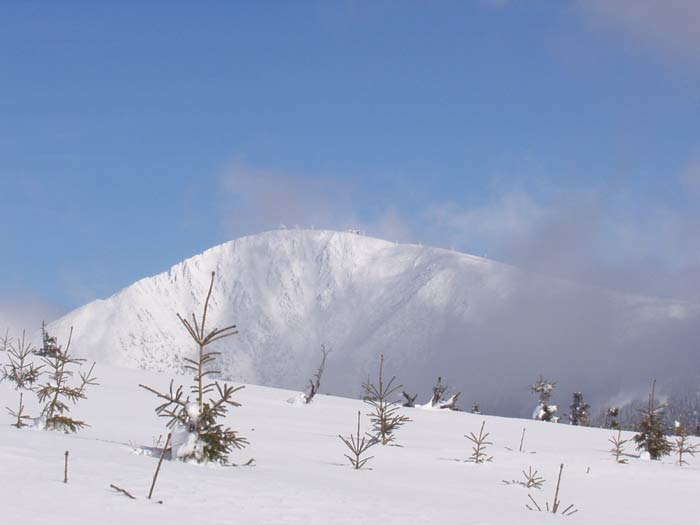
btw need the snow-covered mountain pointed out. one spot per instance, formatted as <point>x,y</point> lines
<point>486,327</point>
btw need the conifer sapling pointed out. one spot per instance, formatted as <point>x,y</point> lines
<point>618,447</point>
<point>611,415</point>
<point>200,436</point>
<point>385,418</point>
<point>480,443</point>
<point>21,371</point>
<point>544,411</point>
<point>57,391</point>
<point>49,343</point>
<point>651,437</point>
<point>579,411</point>
<point>682,444</point>
<point>556,502</point>
<point>358,445</point>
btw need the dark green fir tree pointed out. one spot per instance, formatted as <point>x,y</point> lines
<point>651,436</point>
<point>579,411</point>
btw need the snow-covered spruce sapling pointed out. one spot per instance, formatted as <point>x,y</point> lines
<point>200,435</point>
<point>480,443</point>
<point>315,383</point>
<point>618,447</point>
<point>358,445</point>
<point>20,371</point>
<point>651,436</point>
<point>438,400</point>
<point>544,411</point>
<point>385,418</point>
<point>579,411</point>
<point>57,391</point>
<point>682,445</point>
<point>610,420</point>
<point>49,343</point>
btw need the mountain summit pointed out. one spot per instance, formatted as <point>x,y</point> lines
<point>485,327</point>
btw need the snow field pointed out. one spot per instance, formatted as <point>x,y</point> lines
<point>301,475</point>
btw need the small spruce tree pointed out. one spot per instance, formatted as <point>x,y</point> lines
<point>21,371</point>
<point>652,432</point>
<point>611,415</point>
<point>618,447</point>
<point>579,411</point>
<point>480,443</point>
<point>544,411</point>
<point>202,437</point>
<point>385,418</point>
<point>57,391</point>
<point>358,445</point>
<point>682,445</point>
<point>49,343</point>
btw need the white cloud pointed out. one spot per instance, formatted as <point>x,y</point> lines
<point>497,222</point>
<point>613,239</point>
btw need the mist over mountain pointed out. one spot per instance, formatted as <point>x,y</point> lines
<point>487,328</point>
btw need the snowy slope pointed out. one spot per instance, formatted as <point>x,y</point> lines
<point>430,311</point>
<point>301,475</point>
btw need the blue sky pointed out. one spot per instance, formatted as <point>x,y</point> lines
<point>561,136</point>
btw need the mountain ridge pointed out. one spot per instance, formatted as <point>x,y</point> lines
<point>431,311</point>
